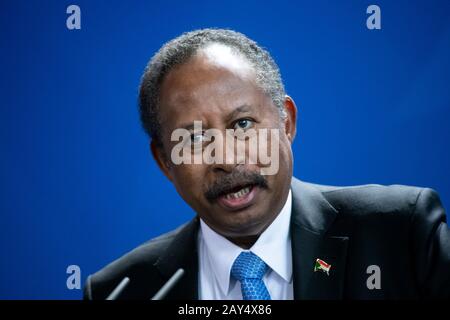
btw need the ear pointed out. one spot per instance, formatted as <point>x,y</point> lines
<point>161,159</point>
<point>290,123</point>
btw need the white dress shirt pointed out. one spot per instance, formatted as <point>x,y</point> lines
<point>217,255</point>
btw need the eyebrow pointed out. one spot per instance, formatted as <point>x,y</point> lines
<point>241,109</point>
<point>188,127</point>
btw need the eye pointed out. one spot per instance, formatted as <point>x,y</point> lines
<point>243,124</point>
<point>197,138</point>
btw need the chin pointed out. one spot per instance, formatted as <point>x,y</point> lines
<point>248,226</point>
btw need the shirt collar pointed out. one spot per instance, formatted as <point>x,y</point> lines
<point>273,247</point>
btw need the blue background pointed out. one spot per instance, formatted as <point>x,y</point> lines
<point>77,182</point>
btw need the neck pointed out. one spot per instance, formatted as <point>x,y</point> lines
<point>244,242</point>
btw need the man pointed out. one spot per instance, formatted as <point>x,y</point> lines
<point>266,236</point>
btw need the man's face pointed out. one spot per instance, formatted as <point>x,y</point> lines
<point>217,87</point>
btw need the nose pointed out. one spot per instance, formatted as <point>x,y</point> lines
<point>229,159</point>
<point>228,163</point>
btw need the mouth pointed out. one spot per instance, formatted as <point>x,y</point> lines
<point>238,198</point>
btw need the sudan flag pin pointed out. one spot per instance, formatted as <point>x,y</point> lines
<point>321,265</point>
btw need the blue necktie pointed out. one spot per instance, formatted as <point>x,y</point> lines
<point>249,269</point>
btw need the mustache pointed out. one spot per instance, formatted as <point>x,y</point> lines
<point>233,180</point>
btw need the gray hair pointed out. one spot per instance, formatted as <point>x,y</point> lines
<point>180,49</point>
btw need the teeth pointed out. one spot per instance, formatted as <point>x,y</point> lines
<point>239,194</point>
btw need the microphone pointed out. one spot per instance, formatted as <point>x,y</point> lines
<point>118,290</point>
<point>165,289</point>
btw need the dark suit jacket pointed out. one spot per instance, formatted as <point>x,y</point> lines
<point>400,229</point>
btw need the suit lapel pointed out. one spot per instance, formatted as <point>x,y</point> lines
<point>312,217</point>
<point>182,253</point>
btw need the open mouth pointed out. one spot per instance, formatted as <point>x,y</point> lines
<point>238,198</point>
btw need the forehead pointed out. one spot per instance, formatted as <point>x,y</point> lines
<point>222,56</point>
<point>216,79</point>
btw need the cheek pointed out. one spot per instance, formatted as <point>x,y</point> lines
<point>284,157</point>
<point>188,180</point>
<point>285,151</point>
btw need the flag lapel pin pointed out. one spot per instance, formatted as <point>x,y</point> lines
<point>322,266</point>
